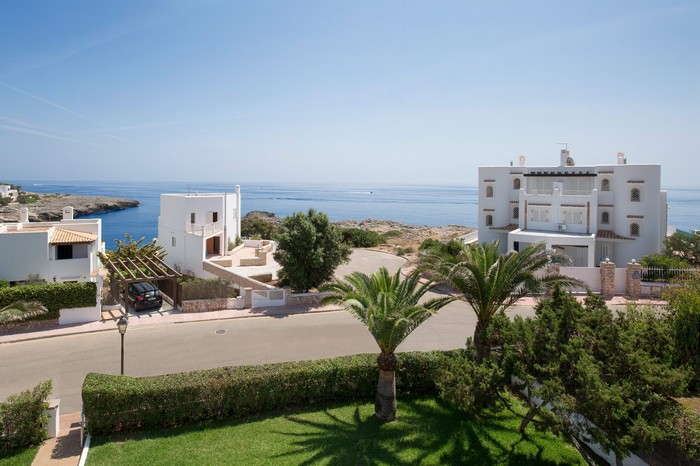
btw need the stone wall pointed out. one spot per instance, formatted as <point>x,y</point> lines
<point>207,305</point>
<point>304,299</point>
<point>32,325</point>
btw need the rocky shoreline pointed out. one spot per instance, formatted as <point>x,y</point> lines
<point>410,236</point>
<point>49,207</point>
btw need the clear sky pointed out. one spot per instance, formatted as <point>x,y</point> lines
<point>350,91</point>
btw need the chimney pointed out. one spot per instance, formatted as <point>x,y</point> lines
<point>563,158</point>
<point>24,215</point>
<point>621,160</point>
<point>521,160</point>
<point>68,213</point>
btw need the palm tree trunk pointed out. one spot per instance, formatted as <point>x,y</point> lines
<point>385,404</point>
<point>481,343</point>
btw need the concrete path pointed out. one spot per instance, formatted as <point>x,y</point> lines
<point>65,449</point>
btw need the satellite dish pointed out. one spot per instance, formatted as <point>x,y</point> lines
<point>570,162</point>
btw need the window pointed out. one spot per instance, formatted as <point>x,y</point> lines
<point>605,218</point>
<point>64,251</point>
<point>489,220</point>
<point>572,217</point>
<point>635,195</point>
<point>71,251</point>
<point>172,241</point>
<point>539,215</point>
<point>192,217</point>
<point>605,185</point>
<point>634,230</point>
<point>516,213</point>
<point>516,183</point>
<point>489,191</point>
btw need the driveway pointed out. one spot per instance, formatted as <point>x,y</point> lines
<point>368,261</point>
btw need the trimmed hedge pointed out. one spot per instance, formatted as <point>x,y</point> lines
<point>118,403</point>
<point>23,418</point>
<point>54,296</point>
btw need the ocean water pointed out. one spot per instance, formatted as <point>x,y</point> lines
<point>431,205</point>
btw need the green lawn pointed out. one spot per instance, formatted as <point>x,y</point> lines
<point>426,432</point>
<point>18,457</point>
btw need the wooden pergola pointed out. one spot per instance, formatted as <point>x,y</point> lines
<point>139,269</point>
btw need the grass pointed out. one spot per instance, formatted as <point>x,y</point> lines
<point>426,432</point>
<point>22,457</point>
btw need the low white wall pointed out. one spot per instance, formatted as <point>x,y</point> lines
<point>79,315</point>
<point>589,275</point>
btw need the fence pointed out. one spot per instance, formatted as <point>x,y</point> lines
<point>665,275</point>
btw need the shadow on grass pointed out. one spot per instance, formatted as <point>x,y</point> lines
<point>424,433</point>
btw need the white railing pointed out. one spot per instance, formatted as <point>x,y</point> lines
<point>204,229</point>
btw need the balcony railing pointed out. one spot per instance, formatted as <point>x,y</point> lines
<point>206,229</point>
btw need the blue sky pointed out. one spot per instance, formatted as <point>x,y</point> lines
<point>348,91</point>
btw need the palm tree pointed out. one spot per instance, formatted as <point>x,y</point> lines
<point>390,308</point>
<point>491,282</point>
<point>20,311</point>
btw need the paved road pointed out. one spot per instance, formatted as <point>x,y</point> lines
<point>197,345</point>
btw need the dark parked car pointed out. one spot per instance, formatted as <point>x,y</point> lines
<point>144,295</point>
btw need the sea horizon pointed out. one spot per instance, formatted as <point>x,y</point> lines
<point>414,204</point>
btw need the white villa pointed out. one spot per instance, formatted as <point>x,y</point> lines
<point>590,213</point>
<point>64,251</point>
<point>192,227</point>
<point>7,191</point>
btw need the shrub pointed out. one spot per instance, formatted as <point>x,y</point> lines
<point>258,226</point>
<point>27,198</point>
<point>4,284</point>
<point>114,403</point>
<point>53,296</point>
<point>23,418</point>
<point>213,288</point>
<point>5,201</point>
<point>392,234</point>
<point>360,238</point>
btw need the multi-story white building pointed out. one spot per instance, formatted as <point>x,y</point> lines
<point>590,213</point>
<point>64,251</point>
<point>192,227</point>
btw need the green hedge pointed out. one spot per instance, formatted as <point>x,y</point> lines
<point>23,418</point>
<point>53,296</point>
<point>115,403</point>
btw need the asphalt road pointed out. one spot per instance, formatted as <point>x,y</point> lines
<point>171,348</point>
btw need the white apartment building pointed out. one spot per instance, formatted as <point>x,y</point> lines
<point>64,251</point>
<point>590,213</point>
<point>192,227</point>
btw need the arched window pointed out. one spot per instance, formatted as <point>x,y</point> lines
<point>635,195</point>
<point>634,230</point>
<point>489,220</point>
<point>516,183</point>
<point>605,218</point>
<point>516,213</point>
<point>605,185</point>
<point>489,191</point>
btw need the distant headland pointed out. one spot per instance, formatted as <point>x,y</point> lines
<point>47,207</point>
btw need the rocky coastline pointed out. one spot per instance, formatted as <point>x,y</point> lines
<point>49,207</point>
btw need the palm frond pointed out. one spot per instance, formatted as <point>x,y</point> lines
<point>20,311</point>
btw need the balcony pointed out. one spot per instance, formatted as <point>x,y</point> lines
<point>206,229</point>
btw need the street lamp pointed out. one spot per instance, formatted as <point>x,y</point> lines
<point>122,324</point>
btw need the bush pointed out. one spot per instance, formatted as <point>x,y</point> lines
<point>392,234</point>
<point>258,227</point>
<point>23,418</point>
<point>4,284</point>
<point>53,296</point>
<point>27,198</point>
<point>201,288</point>
<point>5,201</point>
<point>359,238</point>
<point>114,403</point>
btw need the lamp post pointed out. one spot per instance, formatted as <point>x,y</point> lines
<point>122,324</point>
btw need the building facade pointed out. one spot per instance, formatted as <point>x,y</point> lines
<point>64,251</point>
<point>590,213</point>
<point>192,227</point>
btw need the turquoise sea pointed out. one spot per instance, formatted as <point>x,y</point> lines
<point>434,205</point>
